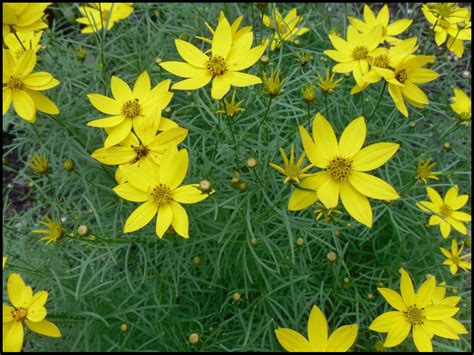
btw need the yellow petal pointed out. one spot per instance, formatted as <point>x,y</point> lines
<point>24,105</point>
<point>20,295</point>
<point>374,156</point>
<point>119,133</point>
<point>406,288</point>
<point>105,104</point>
<point>37,314</point>
<point>174,166</point>
<point>222,39</point>
<point>12,336</point>
<point>184,70</point>
<point>38,300</point>
<point>140,217</point>
<point>114,155</point>
<point>440,312</point>
<point>397,27</point>
<point>121,90</point>
<point>445,229</point>
<point>434,196</point>
<point>423,75</point>
<point>191,54</point>
<point>396,94</point>
<point>311,150</point>
<point>440,328</point>
<point>193,83</point>
<point>425,292</point>
<point>142,86</point>
<point>40,81</point>
<point>44,328</point>
<point>304,194</point>
<point>7,99</point>
<point>180,219</point>
<point>189,194</point>
<point>455,326</point>
<point>356,204</point>
<point>246,59</point>
<point>317,329</point>
<point>140,177</point>
<point>385,321</point>
<point>414,93</point>
<point>241,79</point>
<point>372,186</point>
<point>342,338</point>
<point>26,63</point>
<point>324,137</point>
<point>459,226</point>
<point>220,87</point>
<point>353,137</point>
<point>130,193</point>
<point>42,103</point>
<point>421,339</point>
<point>163,221</point>
<point>328,192</point>
<point>7,313</point>
<point>461,216</point>
<point>293,341</point>
<point>397,333</point>
<point>107,122</point>
<point>394,299</point>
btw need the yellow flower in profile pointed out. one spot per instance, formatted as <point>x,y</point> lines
<point>389,31</point>
<point>293,173</point>
<point>328,84</point>
<point>353,54</point>
<point>54,233</point>
<point>23,17</point>
<point>318,341</point>
<point>22,87</point>
<point>455,259</point>
<point>345,164</point>
<point>230,109</point>
<point>140,108</point>
<point>222,67</point>
<point>462,106</point>
<point>98,15</point>
<point>28,308</point>
<point>424,170</point>
<point>445,211</point>
<point>285,28</point>
<point>39,164</point>
<point>160,191</point>
<point>29,40</point>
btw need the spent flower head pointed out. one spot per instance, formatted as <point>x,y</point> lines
<point>39,163</point>
<point>424,171</point>
<point>54,232</point>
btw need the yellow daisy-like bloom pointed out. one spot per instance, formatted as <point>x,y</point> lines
<point>54,233</point>
<point>285,29</point>
<point>353,54</point>
<point>318,341</point>
<point>416,313</point>
<point>389,31</point>
<point>160,191</point>
<point>446,211</point>
<point>29,40</point>
<point>23,17</point>
<point>293,173</point>
<point>424,170</point>
<point>140,108</point>
<point>39,164</point>
<point>462,106</point>
<point>223,67</point>
<point>408,73</point>
<point>345,164</point>
<point>328,84</point>
<point>230,109</point>
<point>28,308</point>
<point>22,87</point>
<point>455,259</point>
<point>439,298</point>
<point>97,15</point>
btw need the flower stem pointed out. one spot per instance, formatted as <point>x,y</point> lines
<point>378,100</point>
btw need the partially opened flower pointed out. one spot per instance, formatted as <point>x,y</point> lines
<point>29,40</point>
<point>22,87</point>
<point>292,172</point>
<point>54,232</point>
<point>424,170</point>
<point>23,17</point>
<point>455,259</point>
<point>286,28</point>
<point>231,108</point>
<point>28,308</point>
<point>318,338</point>
<point>345,164</point>
<point>328,84</point>
<point>98,15</point>
<point>462,106</point>
<point>222,67</point>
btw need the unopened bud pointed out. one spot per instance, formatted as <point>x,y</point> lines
<point>205,186</point>
<point>123,327</point>
<point>370,296</point>
<point>297,42</point>
<point>193,338</point>
<point>265,59</point>
<point>236,296</point>
<point>68,165</point>
<point>251,163</point>
<point>83,230</point>
<point>197,261</point>
<point>447,145</point>
<point>253,241</point>
<point>158,60</point>
<point>243,186</point>
<point>331,256</point>
<point>235,181</point>
<point>299,241</point>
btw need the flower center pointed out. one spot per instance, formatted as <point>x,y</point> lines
<point>445,210</point>
<point>401,76</point>
<point>444,24</point>
<point>141,152</point>
<point>415,315</point>
<point>161,195</point>
<point>339,168</point>
<point>216,65</point>
<point>293,172</point>
<point>456,259</point>
<point>131,108</point>
<point>14,83</point>
<point>360,52</point>
<point>381,61</point>
<point>19,314</point>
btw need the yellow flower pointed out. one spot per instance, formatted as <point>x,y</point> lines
<point>21,87</point>
<point>446,212</point>
<point>29,40</point>
<point>328,84</point>
<point>318,341</point>
<point>455,259</point>
<point>273,85</point>
<point>389,31</point>
<point>424,171</point>
<point>292,172</point>
<point>160,191</point>
<point>462,106</point>
<point>23,17</point>
<point>140,108</point>
<point>97,15</point>
<point>231,108</point>
<point>39,163</point>
<point>54,233</point>
<point>27,307</point>
<point>353,54</point>
<point>308,93</point>
<point>285,29</point>
<point>344,165</point>
<point>222,67</point>
<point>414,312</point>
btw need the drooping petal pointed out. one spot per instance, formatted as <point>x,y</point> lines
<point>305,194</point>
<point>328,192</point>
<point>140,217</point>
<point>163,221</point>
<point>317,329</point>
<point>180,221</point>
<point>356,204</point>
<point>12,336</point>
<point>342,338</point>
<point>414,93</point>
<point>372,186</point>
<point>42,103</point>
<point>396,94</point>
<point>44,328</point>
<point>397,333</point>
<point>7,99</point>
<point>119,133</point>
<point>293,341</point>
<point>220,87</point>
<point>24,105</point>
<point>374,156</point>
<point>421,339</point>
<point>353,137</point>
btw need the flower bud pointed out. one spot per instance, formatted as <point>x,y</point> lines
<point>123,327</point>
<point>243,186</point>
<point>265,59</point>
<point>83,230</point>
<point>331,256</point>
<point>194,338</point>
<point>236,296</point>
<point>68,165</point>
<point>205,186</point>
<point>300,241</point>
<point>251,163</point>
<point>308,93</point>
<point>197,261</point>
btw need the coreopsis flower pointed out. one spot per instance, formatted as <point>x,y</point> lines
<point>455,259</point>
<point>328,84</point>
<point>293,173</point>
<point>462,106</point>
<point>445,211</point>
<point>273,84</point>
<point>389,31</point>
<point>231,108</point>
<point>223,66</point>
<point>39,164</point>
<point>345,165</point>
<point>352,54</point>
<point>424,170</point>
<point>54,232</point>
<point>28,308</point>
<point>416,313</point>
<point>29,40</point>
<point>23,17</point>
<point>98,15</point>
<point>285,28</point>
<point>318,341</point>
<point>439,298</point>
<point>22,87</point>
<point>160,191</point>
<point>140,108</point>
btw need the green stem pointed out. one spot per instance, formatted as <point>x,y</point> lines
<point>378,101</point>
<point>326,104</point>
<point>18,38</point>
<point>432,29</point>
